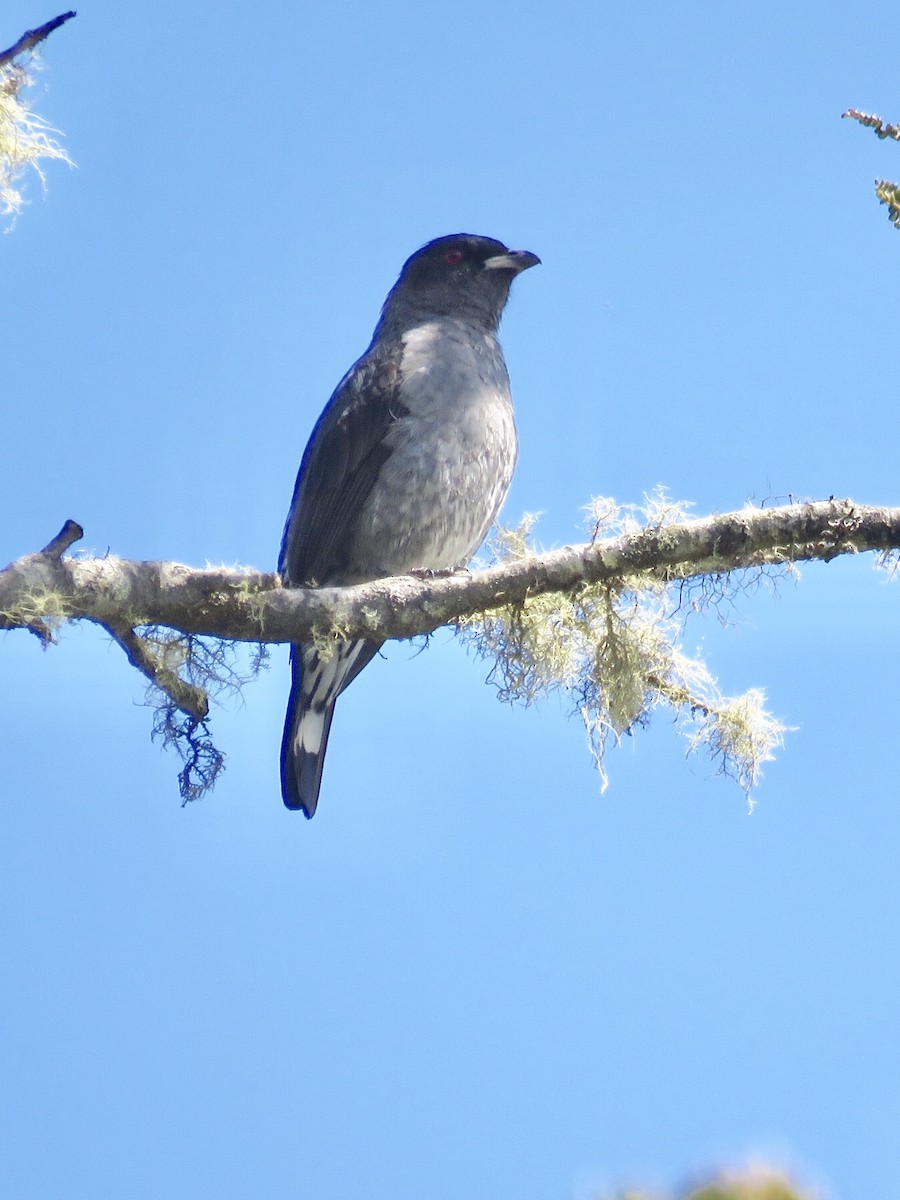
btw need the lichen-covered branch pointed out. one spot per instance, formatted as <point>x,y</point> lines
<point>145,656</point>
<point>601,621</point>
<point>888,193</point>
<point>248,605</point>
<point>881,129</point>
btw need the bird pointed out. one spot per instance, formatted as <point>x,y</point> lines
<point>406,468</point>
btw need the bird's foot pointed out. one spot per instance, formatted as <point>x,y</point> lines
<point>430,573</point>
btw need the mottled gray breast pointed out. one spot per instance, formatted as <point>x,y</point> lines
<point>452,453</point>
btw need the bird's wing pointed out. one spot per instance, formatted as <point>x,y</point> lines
<point>340,465</point>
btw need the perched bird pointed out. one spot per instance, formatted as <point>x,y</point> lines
<point>406,468</point>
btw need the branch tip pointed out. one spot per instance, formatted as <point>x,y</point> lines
<point>870,121</point>
<point>70,533</point>
<point>33,37</point>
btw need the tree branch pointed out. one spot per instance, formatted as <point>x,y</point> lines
<point>882,129</point>
<point>250,605</point>
<point>33,37</point>
<point>70,533</point>
<point>139,651</point>
<point>595,621</point>
<point>886,190</point>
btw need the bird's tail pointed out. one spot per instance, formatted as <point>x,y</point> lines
<point>315,686</point>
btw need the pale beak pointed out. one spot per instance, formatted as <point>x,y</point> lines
<point>512,260</point>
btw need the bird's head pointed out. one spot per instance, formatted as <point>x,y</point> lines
<point>459,275</point>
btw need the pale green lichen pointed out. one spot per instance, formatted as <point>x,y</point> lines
<point>39,606</point>
<point>888,193</point>
<point>326,643</point>
<point>741,735</point>
<point>25,138</point>
<point>615,652</point>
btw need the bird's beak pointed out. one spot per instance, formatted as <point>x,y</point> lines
<point>512,260</point>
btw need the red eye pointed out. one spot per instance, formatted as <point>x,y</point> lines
<point>452,257</point>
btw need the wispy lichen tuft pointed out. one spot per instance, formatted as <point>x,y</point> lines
<point>39,606</point>
<point>740,735</point>
<point>216,666</point>
<point>615,652</point>
<point>25,138</point>
<point>889,562</point>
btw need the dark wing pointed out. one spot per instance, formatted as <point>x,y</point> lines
<point>340,465</point>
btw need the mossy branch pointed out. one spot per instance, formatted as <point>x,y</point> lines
<point>248,605</point>
<point>870,121</point>
<point>600,621</point>
<point>152,661</point>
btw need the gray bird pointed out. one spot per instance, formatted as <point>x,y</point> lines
<point>407,467</point>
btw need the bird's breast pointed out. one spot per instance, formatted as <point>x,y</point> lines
<point>452,454</point>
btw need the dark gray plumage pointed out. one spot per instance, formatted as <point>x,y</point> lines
<point>406,468</point>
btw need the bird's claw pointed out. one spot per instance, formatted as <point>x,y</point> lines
<point>441,573</point>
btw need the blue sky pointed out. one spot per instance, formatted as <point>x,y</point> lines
<point>471,975</point>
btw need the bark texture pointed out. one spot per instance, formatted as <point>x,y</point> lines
<point>41,589</point>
